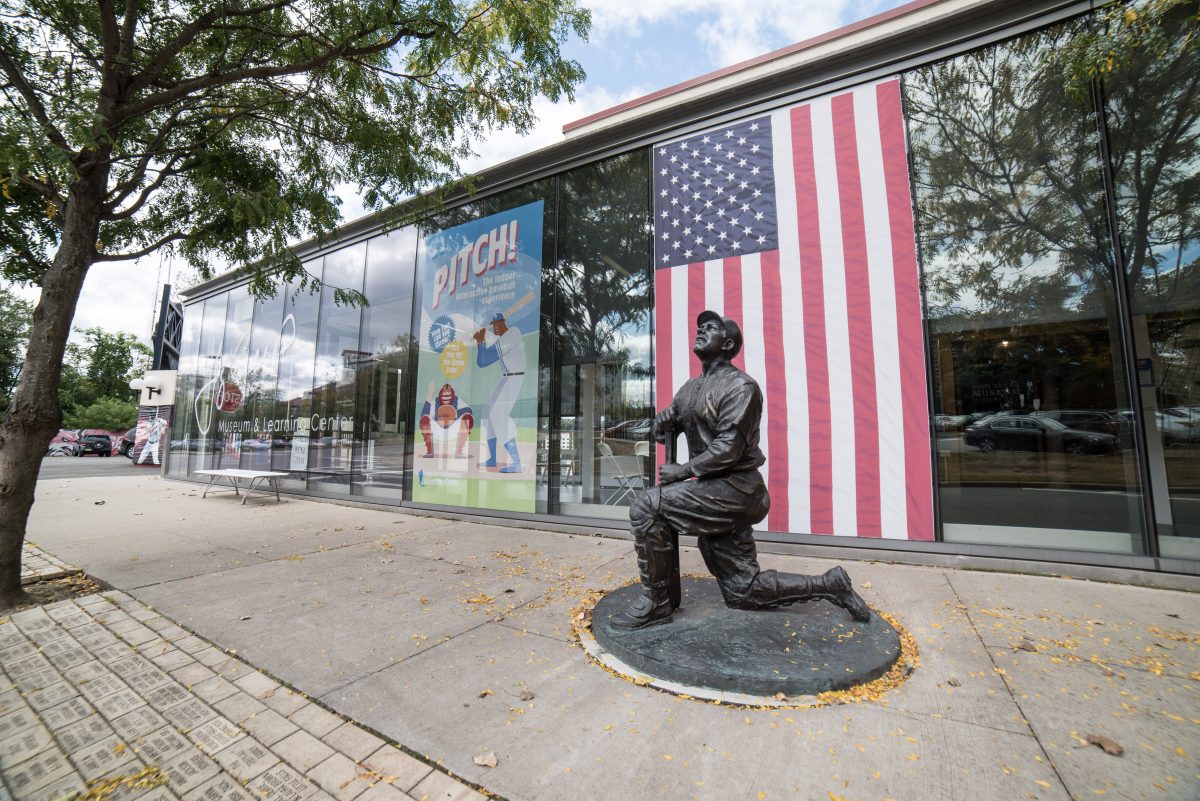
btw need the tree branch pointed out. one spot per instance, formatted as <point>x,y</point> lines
<point>146,251</point>
<point>32,102</point>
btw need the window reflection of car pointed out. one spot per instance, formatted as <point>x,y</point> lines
<point>1179,425</point>
<point>630,429</point>
<point>1036,434</point>
<point>1084,420</point>
<point>951,422</point>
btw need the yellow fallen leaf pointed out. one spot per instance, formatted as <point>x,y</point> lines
<point>1042,783</point>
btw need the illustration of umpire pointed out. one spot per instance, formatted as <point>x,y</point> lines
<point>509,350</point>
<point>717,495</point>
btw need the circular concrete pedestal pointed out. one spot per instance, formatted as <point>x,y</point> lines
<point>803,649</point>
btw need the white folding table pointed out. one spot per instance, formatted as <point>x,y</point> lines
<point>257,478</point>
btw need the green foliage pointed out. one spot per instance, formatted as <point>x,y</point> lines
<point>110,414</point>
<point>222,130</point>
<point>98,372</point>
<point>15,314</point>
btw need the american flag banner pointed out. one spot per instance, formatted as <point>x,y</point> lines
<point>798,224</point>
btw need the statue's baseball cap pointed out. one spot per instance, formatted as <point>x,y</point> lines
<point>732,329</point>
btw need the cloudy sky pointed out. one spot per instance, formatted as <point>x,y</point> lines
<point>636,47</point>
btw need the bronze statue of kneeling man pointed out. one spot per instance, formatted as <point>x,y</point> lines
<point>717,495</point>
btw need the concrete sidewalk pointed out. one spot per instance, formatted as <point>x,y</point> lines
<point>453,640</point>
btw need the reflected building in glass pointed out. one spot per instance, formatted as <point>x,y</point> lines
<point>965,258</point>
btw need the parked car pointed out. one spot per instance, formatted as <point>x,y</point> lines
<point>99,444</point>
<point>125,446</point>
<point>1037,434</point>
<point>1084,420</point>
<point>64,449</point>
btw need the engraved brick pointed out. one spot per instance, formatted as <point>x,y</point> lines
<point>166,696</point>
<point>112,653</point>
<point>160,746</point>
<point>31,682</point>
<point>68,712</point>
<point>246,758</point>
<point>48,766</point>
<point>66,654</point>
<point>56,790</point>
<point>26,664</point>
<point>44,637</point>
<point>51,696</point>
<point>23,745</point>
<point>315,720</point>
<point>340,777</point>
<point>102,758</point>
<point>10,635</point>
<point>60,609</point>
<point>214,689</point>
<point>239,706</point>
<point>17,652</point>
<point>86,672</point>
<point>353,741</point>
<point>188,771</point>
<point>74,620</point>
<point>132,663</point>
<point>391,761</point>
<point>93,635</point>
<point>119,703</point>
<point>140,721</point>
<point>302,751</point>
<point>98,688</point>
<point>215,734</point>
<point>190,714</point>
<point>269,726</point>
<point>79,736</point>
<point>147,679</point>
<point>16,721</point>
<point>221,787</point>
<point>281,783</point>
<point>11,700</point>
<point>142,792</point>
<point>193,674</point>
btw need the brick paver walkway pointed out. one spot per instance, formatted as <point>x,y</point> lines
<point>102,697</point>
<point>37,565</point>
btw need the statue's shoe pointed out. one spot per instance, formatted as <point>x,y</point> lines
<point>841,592</point>
<point>643,612</point>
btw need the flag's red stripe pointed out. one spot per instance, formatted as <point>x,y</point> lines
<point>858,318</point>
<point>662,348</point>
<point>812,283</point>
<point>913,388</point>
<point>775,391</point>
<point>695,305</point>
<point>732,271</point>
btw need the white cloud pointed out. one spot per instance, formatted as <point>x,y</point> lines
<point>729,32</point>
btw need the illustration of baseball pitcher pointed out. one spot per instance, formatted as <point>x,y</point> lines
<point>509,351</point>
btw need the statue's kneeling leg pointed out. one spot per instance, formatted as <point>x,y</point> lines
<point>771,588</point>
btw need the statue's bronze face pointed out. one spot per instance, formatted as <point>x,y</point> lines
<point>710,340</point>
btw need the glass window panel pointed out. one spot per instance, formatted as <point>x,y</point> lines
<point>383,368</point>
<point>1018,268</point>
<point>259,385</point>
<point>331,449</point>
<point>602,335</point>
<point>205,444</point>
<point>1153,116</point>
<point>228,394</point>
<point>186,384</point>
<point>294,395</point>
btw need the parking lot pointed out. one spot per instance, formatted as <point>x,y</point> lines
<point>91,467</point>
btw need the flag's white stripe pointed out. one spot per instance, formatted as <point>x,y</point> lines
<point>799,517</point>
<point>893,505</point>
<point>753,334</point>
<point>714,286</point>
<point>681,341</point>
<point>841,394</point>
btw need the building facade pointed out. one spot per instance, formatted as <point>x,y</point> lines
<point>966,257</point>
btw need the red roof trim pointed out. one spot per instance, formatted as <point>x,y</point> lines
<point>838,33</point>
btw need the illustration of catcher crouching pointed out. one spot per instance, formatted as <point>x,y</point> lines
<point>717,495</point>
<point>445,411</point>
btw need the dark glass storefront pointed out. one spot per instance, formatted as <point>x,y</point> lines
<point>1058,230</point>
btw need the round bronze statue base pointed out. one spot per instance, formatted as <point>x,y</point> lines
<point>804,649</point>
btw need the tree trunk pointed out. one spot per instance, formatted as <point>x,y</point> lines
<point>34,415</point>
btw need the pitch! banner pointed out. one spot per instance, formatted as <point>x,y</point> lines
<point>476,415</point>
<point>798,223</point>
